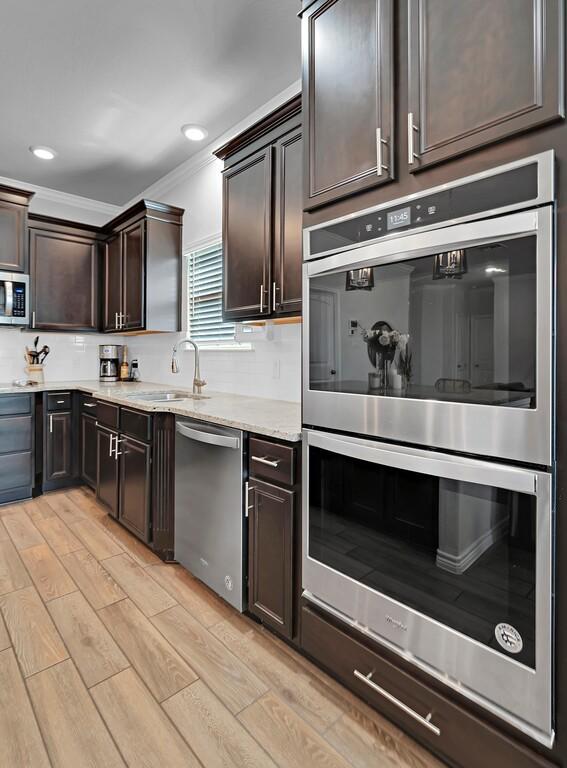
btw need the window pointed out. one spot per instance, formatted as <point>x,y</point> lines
<point>204,296</point>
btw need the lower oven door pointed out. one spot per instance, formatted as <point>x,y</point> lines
<point>446,560</point>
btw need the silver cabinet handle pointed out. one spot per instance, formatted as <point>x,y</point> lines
<point>248,506</point>
<point>265,460</point>
<point>33,318</point>
<point>380,143</point>
<point>89,405</point>
<point>111,439</point>
<point>274,291</point>
<point>116,320</point>
<point>60,402</point>
<point>51,422</point>
<point>261,298</point>
<point>425,721</point>
<point>412,128</point>
<point>117,453</point>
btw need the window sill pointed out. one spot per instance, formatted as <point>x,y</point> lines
<point>225,347</point>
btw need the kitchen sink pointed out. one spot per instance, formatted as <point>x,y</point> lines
<point>165,397</point>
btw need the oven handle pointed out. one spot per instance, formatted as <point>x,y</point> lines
<point>425,721</point>
<point>429,463</point>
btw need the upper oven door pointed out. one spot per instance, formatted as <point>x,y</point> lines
<point>440,338</point>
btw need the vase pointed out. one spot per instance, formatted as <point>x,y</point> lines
<point>378,380</point>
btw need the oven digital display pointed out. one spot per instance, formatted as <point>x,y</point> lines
<point>399,218</point>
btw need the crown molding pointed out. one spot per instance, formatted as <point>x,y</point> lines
<point>65,198</point>
<point>205,157</point>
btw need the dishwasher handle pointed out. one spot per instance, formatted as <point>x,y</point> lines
<point>224,441</point>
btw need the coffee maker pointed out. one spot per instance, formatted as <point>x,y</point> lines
<point>110,356</point>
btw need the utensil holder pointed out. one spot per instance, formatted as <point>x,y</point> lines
<point>35,373</point>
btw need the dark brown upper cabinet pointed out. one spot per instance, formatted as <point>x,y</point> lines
<point>480,71</point>
<point>112,283</point>
<point>142,269</point>
<point>286,284</point>
<point>262,217</point>
<point>348,70</point>
<point>64,275</point>
<point>247,237</point>
<point>14,229</point>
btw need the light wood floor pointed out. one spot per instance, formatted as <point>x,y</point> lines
<point>108,658</point>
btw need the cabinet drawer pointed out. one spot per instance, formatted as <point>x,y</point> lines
<point>272,461</point>
<point>136,424</point>
<point>342,655</point>
<point>15,434</point>
<point>15,472</point>
<point>59,401</point>
<point>88,405</point>
<point>11,405</point>
<point>107,414</point>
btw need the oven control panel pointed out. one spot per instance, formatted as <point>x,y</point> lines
<point>485,195</point>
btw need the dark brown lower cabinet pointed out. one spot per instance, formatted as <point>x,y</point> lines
<point>135,486</point>
<point>270,565</point>
<point>88,450</point>
<point>463,738</point>
<point>107,469</point>
<point>58,448</point>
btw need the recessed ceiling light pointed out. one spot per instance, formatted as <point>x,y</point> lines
<point>44,153</point>
<point>194,132</point>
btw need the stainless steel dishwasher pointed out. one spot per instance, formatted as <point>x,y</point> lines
<point>210,534</point>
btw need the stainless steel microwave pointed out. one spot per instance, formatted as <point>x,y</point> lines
<point>14,298</point>
<point>431,321</point>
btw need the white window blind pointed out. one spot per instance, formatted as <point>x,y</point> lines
<point>204,281</point>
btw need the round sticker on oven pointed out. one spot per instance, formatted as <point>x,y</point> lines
<point>509,638</point>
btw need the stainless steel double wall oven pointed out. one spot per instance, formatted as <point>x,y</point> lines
<point>428,407</point>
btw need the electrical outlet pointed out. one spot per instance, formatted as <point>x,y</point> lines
<point>352,327</point>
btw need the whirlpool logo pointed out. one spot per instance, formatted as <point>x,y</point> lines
<point>396,623</point>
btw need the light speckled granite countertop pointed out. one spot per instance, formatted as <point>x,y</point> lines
<point>274,418</point>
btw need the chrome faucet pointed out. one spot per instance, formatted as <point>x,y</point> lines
<point>198,382</point>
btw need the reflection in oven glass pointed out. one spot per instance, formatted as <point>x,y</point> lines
<point>460,553</point>
<point>457,326</point>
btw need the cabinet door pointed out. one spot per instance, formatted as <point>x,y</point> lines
<point>13,237</point>
<point>58,458</point>
<point>133,266</point>
<point>348,97</point>
<point>135,486</point>
<point>247,237</point>
<point>480,71</point>
<point>112,300</point>
<point>88,450</point>
<point>64,279</point>
<point>270,556</point>
<point>107,469</point>
<point>286,286</point>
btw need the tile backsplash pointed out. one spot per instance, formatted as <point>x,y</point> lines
<point>272,368</point>
<point>71,356</point>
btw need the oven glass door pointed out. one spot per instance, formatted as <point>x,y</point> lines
<point>465,320</point>
<point>459,544</point>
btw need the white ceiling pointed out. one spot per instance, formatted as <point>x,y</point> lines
<point>109,83</point>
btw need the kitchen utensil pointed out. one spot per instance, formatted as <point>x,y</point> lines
<point>44,351</point>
